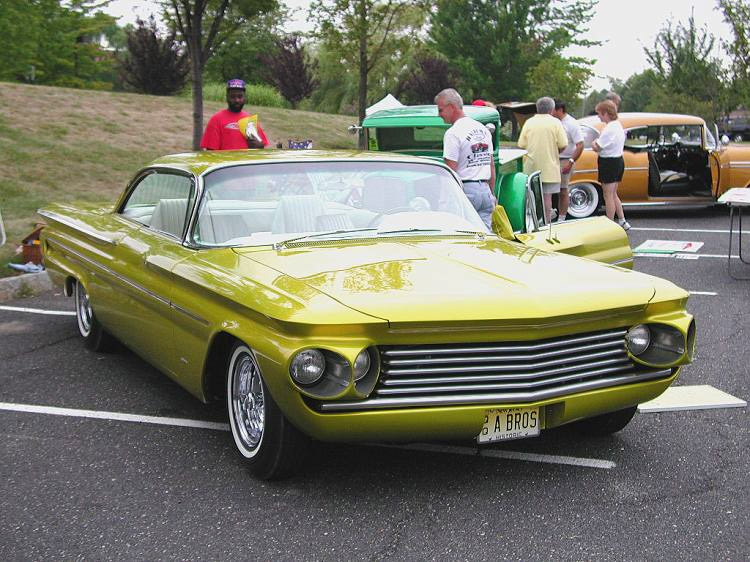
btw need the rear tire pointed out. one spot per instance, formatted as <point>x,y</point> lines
<point>606,424</point>
<point>95,337</point>
<point>272,446</point>
<point>584,200</point>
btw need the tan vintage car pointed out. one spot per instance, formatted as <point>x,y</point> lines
<point>669,160</point>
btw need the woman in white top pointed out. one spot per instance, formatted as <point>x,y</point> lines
<point>610,145</point>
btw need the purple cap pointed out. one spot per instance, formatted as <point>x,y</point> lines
<point>235,84</point>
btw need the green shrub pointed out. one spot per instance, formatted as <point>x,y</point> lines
<point>256,94</point>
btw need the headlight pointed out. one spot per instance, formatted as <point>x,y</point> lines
<point>638,339</point>
<point>361,365</point>
<point>308,366</point>
<point>656,344</point>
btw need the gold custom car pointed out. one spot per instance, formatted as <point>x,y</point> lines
<point>348,296</point>
<point>669,160</point>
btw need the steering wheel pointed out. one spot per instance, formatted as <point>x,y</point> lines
<point>379,217</point>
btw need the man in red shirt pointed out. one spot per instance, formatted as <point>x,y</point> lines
<point>223,131</point>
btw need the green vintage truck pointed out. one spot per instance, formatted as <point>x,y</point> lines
<point>418,130</point>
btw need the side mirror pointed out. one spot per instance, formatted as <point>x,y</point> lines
<point>501,223</point>
<point>724,140</point>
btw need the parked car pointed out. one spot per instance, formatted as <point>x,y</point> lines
<point>736,125</point>
<point>358,297</point>
<point>418,130</point>
<point>669,160</point>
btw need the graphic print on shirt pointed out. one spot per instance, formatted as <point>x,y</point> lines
<point>480,150</point>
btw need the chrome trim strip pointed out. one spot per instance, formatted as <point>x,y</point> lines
<point>500,386</point>
<point>620,262</point>
<point>77,227</point>
<point>112,273</point>
<point>498,398</point>
<point>190,314</point>
<point>584,172</point>
<point>507,347</point>
<point>514,377</point>
<point>502,367</point>
<point>526,357</point>
<point>636,169</point>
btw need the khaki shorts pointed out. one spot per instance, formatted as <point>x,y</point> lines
<point>565,178</point>
<point>549,187</point>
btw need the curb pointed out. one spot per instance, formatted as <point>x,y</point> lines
<point>26,285</point>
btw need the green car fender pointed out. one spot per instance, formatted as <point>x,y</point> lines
<point>511,194</point>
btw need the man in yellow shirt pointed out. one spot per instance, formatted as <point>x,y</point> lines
<point>543,136</point>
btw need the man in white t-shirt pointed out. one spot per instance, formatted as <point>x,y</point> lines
<point>467,149</point>
<point>568,156</point>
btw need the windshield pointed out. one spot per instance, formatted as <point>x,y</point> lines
<point>259,204</point>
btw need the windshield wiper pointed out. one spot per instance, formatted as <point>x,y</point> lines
<point>284,243</point>
<point>443,231</point>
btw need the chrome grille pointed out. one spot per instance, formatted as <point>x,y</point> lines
<point>503,372</point>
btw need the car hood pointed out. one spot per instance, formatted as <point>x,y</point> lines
<point>454,280</point>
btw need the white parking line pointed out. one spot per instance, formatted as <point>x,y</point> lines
<point>707,293</point>
<point>183,422</point>
<point>38,311</point>
<point>117,416</point>
<point>501,454</point>
<point>707,231</point>
<point>692,256</point>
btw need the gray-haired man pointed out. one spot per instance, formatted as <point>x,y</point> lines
<point>467,149</point>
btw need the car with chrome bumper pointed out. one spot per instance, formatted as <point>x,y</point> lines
<point>670,160</point>
<point>358,297</point>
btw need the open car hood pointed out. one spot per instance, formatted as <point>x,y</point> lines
<point>454,280</point>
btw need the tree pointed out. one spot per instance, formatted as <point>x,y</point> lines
<point>682,58</point>
<point>363,32</point>
<point>289,69</point>
<point>222,19</point>
<point>495,43</point>
<point>49,42</point>
<point>559,78</point>
<point>153,64</point>
<point>429,74</point>
<point>737,15</point>
<point>240,56</point>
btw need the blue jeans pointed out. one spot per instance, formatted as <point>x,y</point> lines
<point>478,193</point>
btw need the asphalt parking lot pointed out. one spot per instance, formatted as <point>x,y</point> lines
<point>672,485</point>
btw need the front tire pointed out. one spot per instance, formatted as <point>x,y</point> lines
<point>584,200</point>
<point>606,424</point>
<point>95,337</point>
<point>272,446</point>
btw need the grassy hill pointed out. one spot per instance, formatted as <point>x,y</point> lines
<point>60,144</point>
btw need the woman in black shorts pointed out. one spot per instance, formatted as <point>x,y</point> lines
<point>610,145</point>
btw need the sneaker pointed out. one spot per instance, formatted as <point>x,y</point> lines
<point>624,224</point>
<point>561,218</point>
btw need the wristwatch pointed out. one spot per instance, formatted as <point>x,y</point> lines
<point>571,161</point>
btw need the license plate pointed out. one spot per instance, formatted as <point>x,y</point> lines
<point>509,423</point>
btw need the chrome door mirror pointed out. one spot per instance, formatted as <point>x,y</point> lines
<point>534,209</point>
<point>724,140</point>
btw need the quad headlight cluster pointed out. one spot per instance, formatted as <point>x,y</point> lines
<point>658,344</point>
<point>324,373</point>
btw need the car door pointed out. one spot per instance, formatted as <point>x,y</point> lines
<point>596,238</point>
<point>160,202</point>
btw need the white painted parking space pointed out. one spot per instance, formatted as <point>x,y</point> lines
<point>199,424</point>
<point>694,397</point>
<point>37,311</point>
<point>703,230</point>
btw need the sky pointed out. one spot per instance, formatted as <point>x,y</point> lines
<point>623,26</point>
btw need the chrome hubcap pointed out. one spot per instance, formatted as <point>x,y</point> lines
<point>248,403</point>
<point>583,201</point>
<point>84,309</point>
